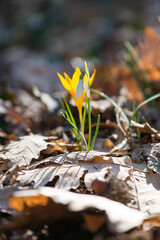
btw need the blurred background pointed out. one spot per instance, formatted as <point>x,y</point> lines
<point>39,38</point>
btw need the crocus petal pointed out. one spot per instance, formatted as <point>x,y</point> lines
<point>85,78</point>
<point>92,78</point>
<point>79,89</point>
<point>65,83</point>
<point>85,86</point>
<point>78,71</point>
<point>79,102</point>
<point>69,80</point>
<point>75,80</point>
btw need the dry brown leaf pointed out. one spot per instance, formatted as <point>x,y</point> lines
<point>145,186</point>
<point>56,204</point>
<point>145,190</point>
<point>145,127</point>
<point>152,221</point>
<point>55,148</point>
<point>65,171</point>
<point>76,157</point>
<point>124,161</point>
<point>93,222</point>
<point>109,144</point>
<point>69,168</point>
<point>22,151</point>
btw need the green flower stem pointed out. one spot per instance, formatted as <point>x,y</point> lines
<point>73,126</point>
<point>89,107</point>
<point>70,114</point>
<point>81,130</point>
<point>96,132</point>
<point>89,124</point>
<point>84,113</point>
<point>70,119</point>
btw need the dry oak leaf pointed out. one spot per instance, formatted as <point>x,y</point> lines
<point>145,191</point>
<point>56,204</point>
<point>67,169</point>
<point>22,151</point>
<point>145,128</point>
<point>64,171</point>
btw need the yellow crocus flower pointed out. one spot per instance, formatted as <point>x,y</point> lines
<point>71,86</point>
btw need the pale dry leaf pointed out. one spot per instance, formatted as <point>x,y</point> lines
<point>67,176</point>
<point>153,158</point>
<point>104,107</point>
<point>146,192</point>
<point>69,168</point>
<point>116,167</point>
<point>118,217</point>
<point>73,157</point>
<point>145,189</point>
<point>150,153</point>
<point>66,170</point>
<point>145,127</point>
<point>124,161</point>
<point>22,151</point>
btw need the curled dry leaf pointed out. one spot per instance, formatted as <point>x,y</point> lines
<point>50,205</point>
<point>22,151</point>
<point>145,128</point>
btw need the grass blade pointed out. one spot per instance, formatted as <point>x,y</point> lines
<point>135,75</point>
<point>77,130</point>
<point>89,124</point>
<point>69,111</point>
<point>139,65</point>
<point>113,103</point>
<point>70,120</point>
<point>71,115</point>
<point>135,63</point>
<point>147,101</point>
<point>96,132</point>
